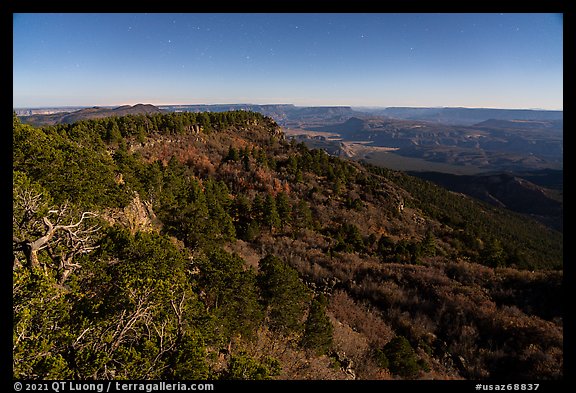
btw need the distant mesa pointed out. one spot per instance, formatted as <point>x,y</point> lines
<point>291,116</point>
<point>553,125</point>
<point>89,113</point>
<point>466,116</point>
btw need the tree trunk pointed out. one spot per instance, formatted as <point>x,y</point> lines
<point>31,255</point>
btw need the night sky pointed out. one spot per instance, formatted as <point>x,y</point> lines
<point>467,60</point>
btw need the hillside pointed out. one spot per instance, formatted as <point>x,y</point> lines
<point>207,246</point>
<point>507,191</point>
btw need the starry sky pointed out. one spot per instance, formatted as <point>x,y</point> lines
<point>307,59</point>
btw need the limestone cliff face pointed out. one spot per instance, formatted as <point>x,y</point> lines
<point>137,216</point>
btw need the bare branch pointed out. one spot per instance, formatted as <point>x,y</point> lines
<point>84,216</point>
<point>29,203</point>
<point>80,337</point>
<point>179,311</point>
<point>142,312</point>
<point>74,239</point>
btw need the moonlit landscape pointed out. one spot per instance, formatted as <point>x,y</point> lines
<point>206,198</point>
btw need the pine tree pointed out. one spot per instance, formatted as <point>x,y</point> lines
<point>246,163</point>
<point>302,215</point>
<point>258,208</point>
<point>402,358</point>
<point>232,155</point>
<point>231,294</point>
<point>283,294</point>
<point>113,134</point>
<point>270,213</point>
<point>428,244</point>
<point>318,329</point>
<point>283,208</point>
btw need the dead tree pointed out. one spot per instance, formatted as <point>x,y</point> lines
<point>63,242</point>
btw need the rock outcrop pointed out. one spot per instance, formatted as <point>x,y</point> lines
<point>137,216</point>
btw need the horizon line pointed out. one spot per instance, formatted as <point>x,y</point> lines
<point>302,106</point>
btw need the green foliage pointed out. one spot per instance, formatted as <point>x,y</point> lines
<point>199,214</point>
<point>405,251</point>
<point>318,330</point>
<point>78,171</point>
<point>231,294</point>
<point>348,238</point>
<point>283,208</point>
<point>385,246</point>
<point>143,255</point>
<point>401,357</point>
<point>258,208</point>
<point>252,231</point>
<point>283,294</point>
<point>141,312</point>
<point>428,244</point>
<point>243,366</point>
<point>41,327</point>
<point>355,204</point>
<point>302,215</point>
<point>381,358</point>
<point>270,215</point>
<point>113,133</point>
<point>472,220</point>
<point>232,155</point>
<point>241,215</point>
<point>493,254</point>
<point>189,360</point>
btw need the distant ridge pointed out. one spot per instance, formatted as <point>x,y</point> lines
<point>515,192</point>
<point>291,116</point>
<point>467,116</point>
<point>89,113</point>
<point>553,125</point>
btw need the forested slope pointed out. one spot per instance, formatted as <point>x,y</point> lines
<point>206,246</point>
